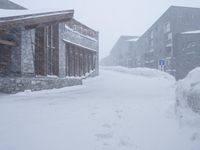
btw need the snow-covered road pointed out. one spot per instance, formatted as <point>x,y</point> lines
<point>115,111</point>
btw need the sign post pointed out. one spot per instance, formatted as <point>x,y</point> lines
<point>162,64</point>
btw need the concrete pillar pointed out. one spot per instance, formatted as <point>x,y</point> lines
<point>97,57</point>
<point>62,56</point>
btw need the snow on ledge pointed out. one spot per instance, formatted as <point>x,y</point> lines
<point>82,35</point>
<point>192,32</point>
<point>79,45</point>
<point>133,40</point>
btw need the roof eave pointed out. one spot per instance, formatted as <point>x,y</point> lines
<point>35,19</point>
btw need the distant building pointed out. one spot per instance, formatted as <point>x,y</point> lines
<point>45,50</point>
<point>6,4</point>
<point>158,44</point>
<point>187,52</point>
<point>121,54</point>
<point>162,46</point>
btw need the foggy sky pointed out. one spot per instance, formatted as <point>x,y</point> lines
<point>112,18</point>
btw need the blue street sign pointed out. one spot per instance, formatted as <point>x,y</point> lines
<point>161,62</point>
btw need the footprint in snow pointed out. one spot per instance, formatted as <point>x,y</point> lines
<point>195,136</point>
<point>104,136</point>
<point>119,111</point>
<point>106,126</point>
<point>126,142</point>
<point>93,114</point>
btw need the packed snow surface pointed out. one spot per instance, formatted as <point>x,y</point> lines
<point>143,72</point>
<point>119,110</point>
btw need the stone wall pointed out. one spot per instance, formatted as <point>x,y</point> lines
<point>27,52</point>
<point>62,58</point>
<point>21,57</point>
<point>14,85</point>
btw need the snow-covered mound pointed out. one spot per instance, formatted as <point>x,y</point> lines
<point>145,72</point>
<point>188,91</point>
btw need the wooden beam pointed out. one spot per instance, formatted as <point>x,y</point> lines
<point>9,43</point>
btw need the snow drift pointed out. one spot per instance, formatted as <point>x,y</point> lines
<point>144,72</point>
<point>188,91</point>
<point>115,111</point>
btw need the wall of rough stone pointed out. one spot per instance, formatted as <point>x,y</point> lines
<point>62,58</point>
<point>22,55</point>
<point>27,52</point>
<point>15,85</point>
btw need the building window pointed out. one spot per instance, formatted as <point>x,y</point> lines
<point>168,49</point>
<point>168,62</point>
<point>151,35</point>
<point>167,27</point>
<point>169,36</point>
<point>191,44</point>
<point>75,28</point>
<point>85,31</point>
<point>151,50</point>
<point>151,43</point>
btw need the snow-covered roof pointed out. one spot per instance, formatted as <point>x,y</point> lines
<point>16,17</point>
<point>16,13</point>
<point>192,32</point>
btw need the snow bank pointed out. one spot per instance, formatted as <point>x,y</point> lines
<point>188,91</point>
<point>145,72</point>
<point>115,111</point>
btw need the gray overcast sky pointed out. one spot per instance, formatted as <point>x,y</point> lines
<point>112,18</point>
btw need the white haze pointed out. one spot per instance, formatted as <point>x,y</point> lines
<point>112,18</point>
